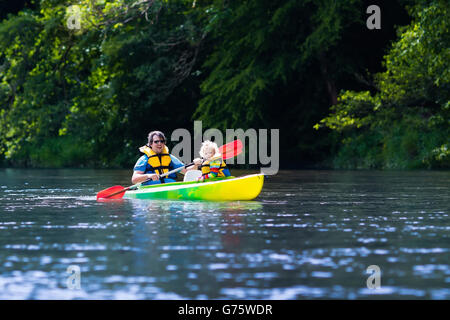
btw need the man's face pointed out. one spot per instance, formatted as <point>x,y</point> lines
<point>157,144</point>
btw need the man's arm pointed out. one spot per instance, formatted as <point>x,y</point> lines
<point>140,176</point>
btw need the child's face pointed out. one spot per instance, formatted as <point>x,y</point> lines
<point>209,153</point>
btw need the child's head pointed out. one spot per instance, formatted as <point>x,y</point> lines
<point>209,150</point>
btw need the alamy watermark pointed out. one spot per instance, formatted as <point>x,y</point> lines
<point>374,281</point>
<point>374,20</point>
<point>74,280</point>
<point>255,142</point>
<point>73,21</point>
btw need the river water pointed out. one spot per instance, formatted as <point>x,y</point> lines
<point>309,235</point>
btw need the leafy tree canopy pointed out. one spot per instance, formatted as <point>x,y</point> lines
<point>407,120</point>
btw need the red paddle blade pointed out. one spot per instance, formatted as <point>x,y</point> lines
<point>231,154</point>
<point>115,192</point>
<point>231,149</point>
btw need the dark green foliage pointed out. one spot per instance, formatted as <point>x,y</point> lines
<point>281,64</point>
<point>89,97</point>
<point>14,6</point>
<point>408,119</point>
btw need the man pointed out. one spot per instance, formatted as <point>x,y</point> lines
<point>156,161</point>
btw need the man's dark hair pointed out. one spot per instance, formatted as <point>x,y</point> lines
<point>152,134</point>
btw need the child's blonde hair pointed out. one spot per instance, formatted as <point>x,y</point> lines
<point>208,145</point>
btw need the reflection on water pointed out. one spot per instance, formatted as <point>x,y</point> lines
<point>170,206</point>
<point>311,234</point>
<point>197,221</point>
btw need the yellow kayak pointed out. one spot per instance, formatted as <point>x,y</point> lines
<point>219,189</point>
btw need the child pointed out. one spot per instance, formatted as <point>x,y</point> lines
<point>211,164</point>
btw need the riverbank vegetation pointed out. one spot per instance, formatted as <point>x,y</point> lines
<point>405,121</point>
<point>83,82</point>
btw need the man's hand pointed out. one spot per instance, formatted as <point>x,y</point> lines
<point>153,176</point>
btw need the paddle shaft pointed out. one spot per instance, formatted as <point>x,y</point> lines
<point>176,170</point>
<point>161,176</point>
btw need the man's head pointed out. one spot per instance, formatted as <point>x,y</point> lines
<point>156,141</point>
